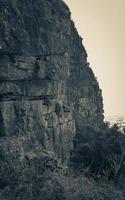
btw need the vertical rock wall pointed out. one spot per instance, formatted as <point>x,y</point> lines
<point>47,89</point>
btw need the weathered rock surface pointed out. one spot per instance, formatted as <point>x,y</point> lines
<point>47,89</point>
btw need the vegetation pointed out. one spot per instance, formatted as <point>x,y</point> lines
<point>87,188</point>
<point>97,168</point>
<point>101,152</point>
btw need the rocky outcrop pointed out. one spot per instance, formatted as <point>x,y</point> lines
<point>47,89</point>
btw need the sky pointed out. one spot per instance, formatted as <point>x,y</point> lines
<point>101,24</point>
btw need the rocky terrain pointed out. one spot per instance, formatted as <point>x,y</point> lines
<point>48,93</point>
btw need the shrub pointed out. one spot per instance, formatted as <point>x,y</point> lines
<point>100,152</point>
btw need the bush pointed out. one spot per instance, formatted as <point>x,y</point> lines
<point>100,152</point>
<point>86,188</point>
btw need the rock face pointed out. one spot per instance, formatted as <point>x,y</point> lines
<point>47,89</point>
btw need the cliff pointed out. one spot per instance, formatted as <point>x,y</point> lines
<point>47,89</point>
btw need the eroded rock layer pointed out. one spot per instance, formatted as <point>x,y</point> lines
<point>47,89</point>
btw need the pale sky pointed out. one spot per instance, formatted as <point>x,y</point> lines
<point>101,23</point>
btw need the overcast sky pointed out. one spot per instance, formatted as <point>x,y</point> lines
<point>101,23</point>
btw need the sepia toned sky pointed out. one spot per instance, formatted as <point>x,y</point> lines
<point>101,23</point>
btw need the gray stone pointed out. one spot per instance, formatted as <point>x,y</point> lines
<point>47,91</point>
